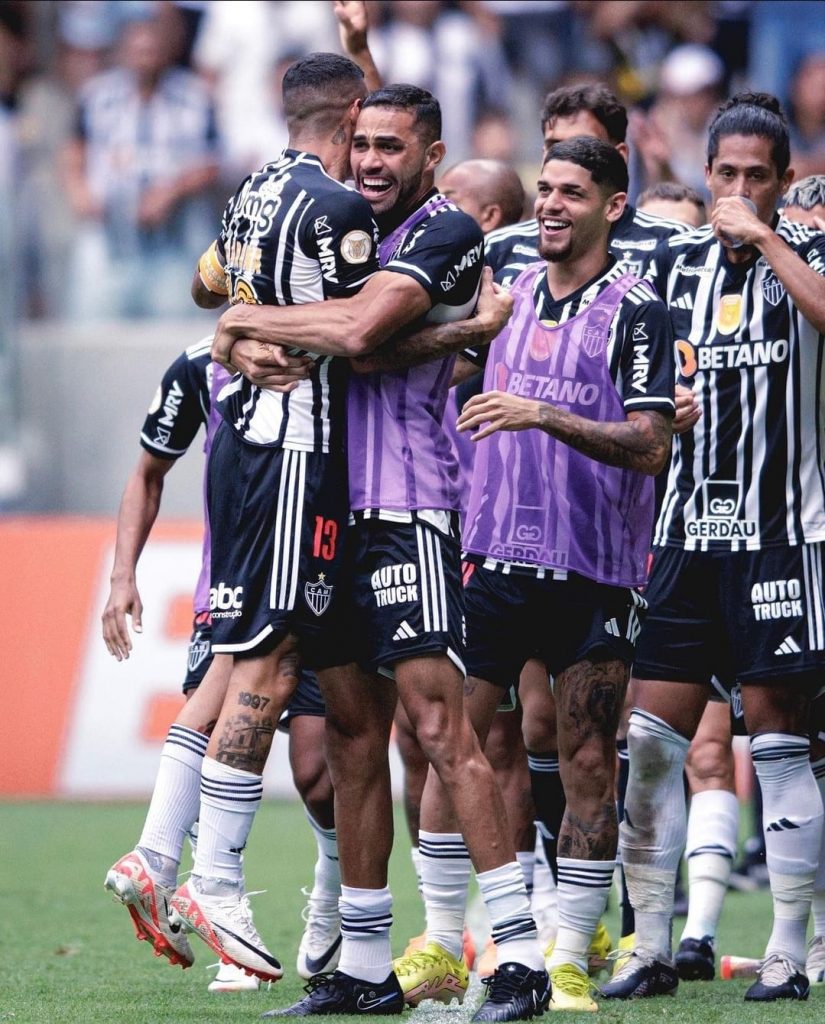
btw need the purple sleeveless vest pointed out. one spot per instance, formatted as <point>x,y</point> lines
<point>220,376</point>
<point>535,499</point>
<point>399,454</point>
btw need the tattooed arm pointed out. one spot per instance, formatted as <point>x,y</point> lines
<point>641,442</point>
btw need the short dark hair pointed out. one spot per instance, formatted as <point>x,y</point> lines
<point>753,113</point>
<point>424,107</point>
<point>317,88</point>
<point>606,164</point>
<point>672,191</point>
<point>593,97</point>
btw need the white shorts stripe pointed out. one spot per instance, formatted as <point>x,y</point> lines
<point>287,533</point>
<point>433,586</point>
<point>812,562</point>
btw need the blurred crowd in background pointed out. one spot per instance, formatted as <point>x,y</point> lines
<point>124,124</point>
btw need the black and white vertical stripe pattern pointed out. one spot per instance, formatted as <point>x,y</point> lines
<point>814,595</point>
<point>433,583</point>
<point>287,531</point>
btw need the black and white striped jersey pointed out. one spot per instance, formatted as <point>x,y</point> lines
<point>750,474</point>
<point>292,234</point>
<point>180,406</point>
<point>633,239</point>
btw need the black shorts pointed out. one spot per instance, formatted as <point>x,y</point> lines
<point>407,592</point>
<point>744,616</point>
<point>306,700</point>
<point>278,520</point>
<point>512,617</point>
<point>199,656</point>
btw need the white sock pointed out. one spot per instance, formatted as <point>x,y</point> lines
<point>445,879</point>
<point>712,832</point>
<point>652,835</point>
<point>415,857</point>
<point>792,820</point>
<point>584,886</point>
<point>327,885</point>
<point>230,797</point>
<point>818,902</point>
<point>545,903</point>
<point>527,861</point>
<point>512,927</point>
<point>366,919</point>
<point>175,798</point>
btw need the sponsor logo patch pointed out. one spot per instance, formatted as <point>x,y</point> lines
<point>356,247</point>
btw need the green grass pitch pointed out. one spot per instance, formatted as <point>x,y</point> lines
<point>69,952</point>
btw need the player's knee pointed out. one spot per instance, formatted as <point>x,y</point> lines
<point>709,760</point>
<point>590,772</point>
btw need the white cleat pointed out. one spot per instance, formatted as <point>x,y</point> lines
<point>148,903</point>
<point>232,979</point>
<point>320,948</point>
<point>224,922</point>
<point>815,963</point>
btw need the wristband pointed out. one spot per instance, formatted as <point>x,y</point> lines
<point>212,272</point>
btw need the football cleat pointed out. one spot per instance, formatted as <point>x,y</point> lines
<point>224,922</point>
<point>622,951</point>
<point>640,976</point>
<point>147,901</point>
<point>431,973</point>
<point>418,942</point>
<point>778,978</point>
<point>320,948</point>
<point>339,993</point>
<point>571,989</point>
<point>815,962</point>
<point>695,959</point>
<point>514,992</point>
<point>598,953</point>
<point>232,979</point>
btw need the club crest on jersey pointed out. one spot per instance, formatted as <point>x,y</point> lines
<point>730,314</point>
<point>593,341</point>
<point>356,247</point>
<point>198,651</point>
<point>318,595</point>
<point>772,289</point>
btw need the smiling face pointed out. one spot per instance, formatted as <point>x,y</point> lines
<point>392,165</point>
<point>743,166</point>
<point>573,213</point>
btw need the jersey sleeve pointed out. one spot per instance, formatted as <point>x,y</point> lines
<point>814,254</point>
<point>497,252</point>
<point>179,408</point>
<point>658,268</point>
<point>340,232</point>
<point>647,359</point>
<point>445,255</point>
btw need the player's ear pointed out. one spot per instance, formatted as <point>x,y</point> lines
<point>354,109</point>
<point>615,206</point>
<point>435,154</point>
<point>491,217</point>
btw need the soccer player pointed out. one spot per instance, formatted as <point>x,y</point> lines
<point>593,110</point>
<point>804,202</point>
<point>490,191</point>
<point>407,608</point>
<point>673,201</point>
<point>735,587</point>
<point>560,511</point>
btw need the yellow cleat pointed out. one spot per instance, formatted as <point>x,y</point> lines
<point>622,952</point>
<point>418,942</point>
<point>598,952</point>
<point>431,973</point>
<point>488,961</point>
<point>571,989</point>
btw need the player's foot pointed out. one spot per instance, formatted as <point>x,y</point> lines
<point>339,993</point>
<point>696,960</point>
<point>598,952</point>
<point>815,962</point>
<point>779,978</point>
<point>640,976</point>
<point>469,949</point>
<point>320,948</point>
<point>514,992</point>
<point>232,979</point>
<point>431,973</point>
<point>571,989</point>
<point>224,922</point>
<point>418,942</point>
<point>486,965</point>
<point>147,901</point>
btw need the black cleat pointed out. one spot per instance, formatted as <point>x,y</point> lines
<point>778,978</point>
<point>339,993</point>
<point>514,992</point>
<point>640,977</point>
<point>695,959</point>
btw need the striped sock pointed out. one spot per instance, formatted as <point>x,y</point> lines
<point>550,801</point>
<point>175,799</point>
<point>713,830</point>
<point>445,879</point>
<point>584,886</point>
<point>512,927</point>
<point>327,867</point>
<point>366,919</point>
<point>230,798</point>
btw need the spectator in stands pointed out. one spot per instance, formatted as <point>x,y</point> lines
<point>807,114</point>
<point>138,172</point>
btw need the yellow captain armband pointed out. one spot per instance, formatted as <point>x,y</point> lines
<point>212,272</point>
